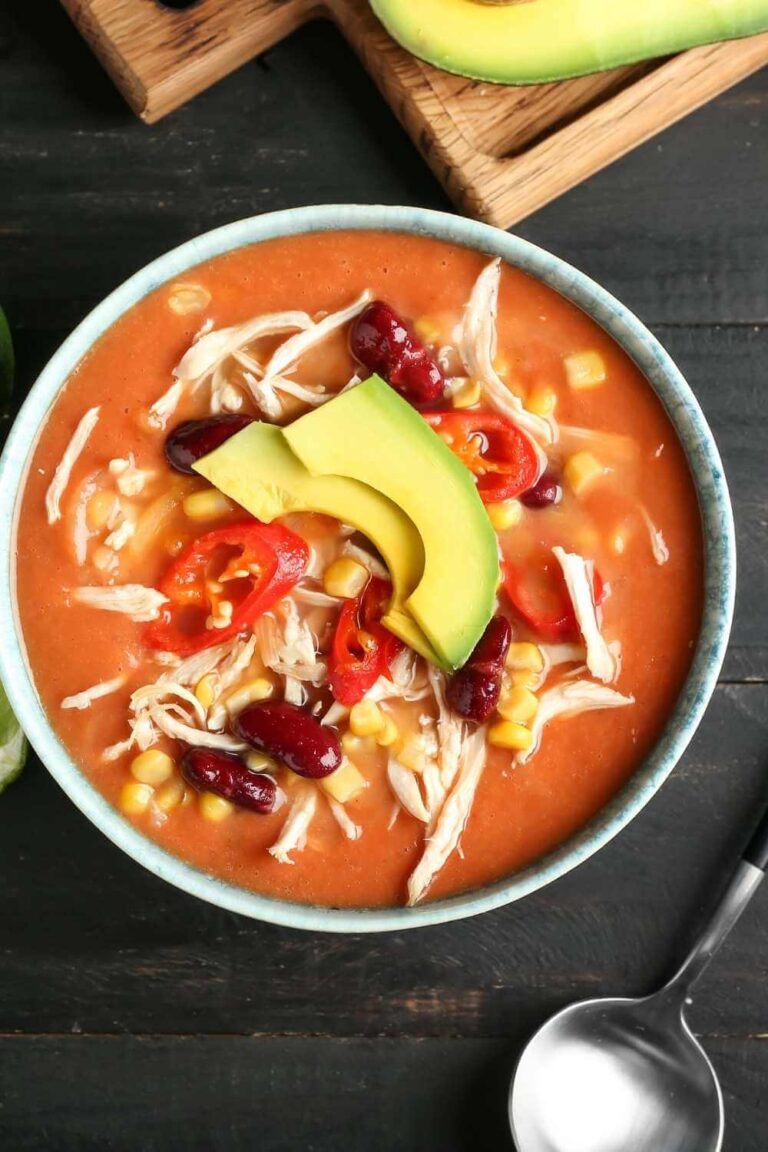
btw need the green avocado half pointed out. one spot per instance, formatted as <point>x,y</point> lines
<point>536,41</point>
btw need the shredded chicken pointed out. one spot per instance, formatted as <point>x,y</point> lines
<point>315,598</point>
<point>478,348</point>
<point>579,576</point>
<point>129,480</point>
<point>81,532</point>
<point>293,836</point>
<point>405,786</point>
<point>351,830</point>
<point>404,681</point>
<point>212,349</point>
<point>291,350</point>
<point>82,700</point>
<point>335,714</point>
<point>452,819</point>
<point>138,603</point>
<point>264,395</point>
<point>164,407</point>
<point>451,731</point>
<point>374,565</point>
<point>179,729</point>
<point>568,699</point>
<point>658,544</point>
<point>70,456</point>
<point>292,649</point>
<point>118,538</point>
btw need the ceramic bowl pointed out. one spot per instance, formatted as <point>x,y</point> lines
<point>691,428</point>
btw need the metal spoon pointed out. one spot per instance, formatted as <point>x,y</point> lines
<point>621,1075</point>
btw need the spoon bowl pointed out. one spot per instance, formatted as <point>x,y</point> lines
<point>613,1075</point>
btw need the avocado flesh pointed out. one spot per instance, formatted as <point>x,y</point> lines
<point>537,41</point>
<point>371,435</point>
<point>258,470</point>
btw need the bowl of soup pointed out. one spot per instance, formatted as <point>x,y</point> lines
<point>361,568</point>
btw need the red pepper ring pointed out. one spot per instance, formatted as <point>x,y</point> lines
<point>363,649</point>
<point>499,455</point>
<point>263,562</point>
<point>540,596</point>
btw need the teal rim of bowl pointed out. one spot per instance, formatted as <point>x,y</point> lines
<point>691,428</point>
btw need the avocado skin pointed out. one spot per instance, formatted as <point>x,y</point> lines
<point>540,41</point>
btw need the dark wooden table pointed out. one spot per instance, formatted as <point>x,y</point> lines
<point>133,1017</point>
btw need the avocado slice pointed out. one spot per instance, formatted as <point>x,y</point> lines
<point>258,470</point>
<point>372,435</point>
<point>536,41</point>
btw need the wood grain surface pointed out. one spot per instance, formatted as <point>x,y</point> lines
<point>135,1019</point>
<point>500,152</point>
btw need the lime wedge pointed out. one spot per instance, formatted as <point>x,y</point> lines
<point>13,744</point>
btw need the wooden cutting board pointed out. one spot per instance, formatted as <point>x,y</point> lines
<point>499,152</point>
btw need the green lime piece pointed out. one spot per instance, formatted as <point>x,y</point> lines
<point>13,744</point>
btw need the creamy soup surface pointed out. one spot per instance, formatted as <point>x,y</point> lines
<point>407,817</point>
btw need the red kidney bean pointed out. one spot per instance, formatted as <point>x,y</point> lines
<point>228,776</point>
<point>380,340</point>
<point>545,491</point>
<point>291,735</point>
<point>189,442</point>
<point>473,691</point>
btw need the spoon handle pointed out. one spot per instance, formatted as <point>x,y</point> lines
<point>741,888</point>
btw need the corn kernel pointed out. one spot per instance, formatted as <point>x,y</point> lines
<point>584,370</point>
<point>466,392</point>
<point>581,471</point>
<point>345,577</point>
<point>258,762</point>
<point>170,795</point>
<point>518,705</point>
<point>250,693</point>
<point>214,808</point>
<point>506,514</point>
<point>135,797</point>
<point>366,718</point>
<point>413,753</point>
<point>152,767</point>
<point>209,504</point>
<point>347,781</point>
<point>388,734</point>
<point>524,654</point>
<point>102,506</point>
<point>524,678</point>
<point>507,734</point>
<point>205,689</point>
<point>186,298</point>
<point>427,330</point>
<point>542,400</point>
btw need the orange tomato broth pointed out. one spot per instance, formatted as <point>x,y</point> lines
<point>519,813</point>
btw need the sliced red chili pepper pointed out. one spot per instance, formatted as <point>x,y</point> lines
<point>362,649</point>
<point>539,594</point>
<point>259,564</point>
<point>498,454</point>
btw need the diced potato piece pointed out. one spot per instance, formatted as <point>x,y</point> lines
<point>524,654</point>
<point>209,504</point>
<point>507,734</point>
<point>215,808</point>
<point>250,693</point>
<point>466,392</point>
<point>542,400</point>
<point>366,718</point>
<point>345,783</point>
<point>427,330</point>
<point>584,370</point>
<point>205,689</point>
<point>388,734</point>
<point>518,705</point>
<point>186,298</point>
<point>152,766</point>
<point>170,795</point>
<point>581,471</point>
<point>102,506</point>
<point>506,514</point>
<point>135,797</point>
<point>345,577</point>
